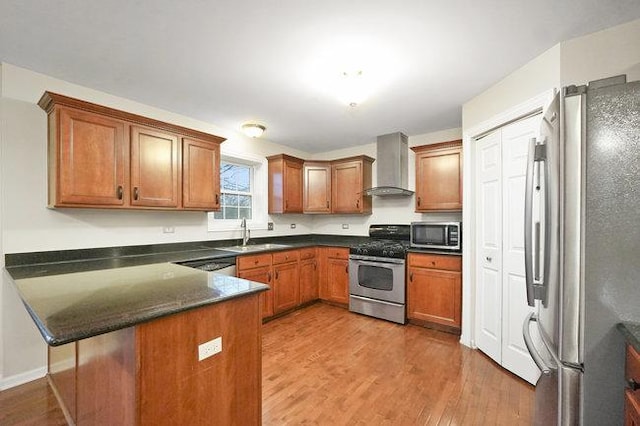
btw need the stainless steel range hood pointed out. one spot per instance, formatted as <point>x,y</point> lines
<point>392,162</point>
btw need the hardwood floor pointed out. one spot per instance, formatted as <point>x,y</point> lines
<point>323,365</point>
<point>326,366</point>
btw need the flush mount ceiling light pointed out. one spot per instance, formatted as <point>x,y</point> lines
<point>253,130</point>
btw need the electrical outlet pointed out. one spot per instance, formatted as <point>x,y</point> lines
<point>168,230</point>
<point>210,348</point>
<point>293,226</point>
<point>269,226</point>
<point>345,226</point>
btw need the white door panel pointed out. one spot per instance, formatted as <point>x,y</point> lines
<point>500,289</point>
<point>489,247</point>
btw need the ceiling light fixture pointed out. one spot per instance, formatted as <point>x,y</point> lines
<point>253,130</point>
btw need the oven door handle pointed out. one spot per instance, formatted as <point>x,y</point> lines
<point>398,262</point>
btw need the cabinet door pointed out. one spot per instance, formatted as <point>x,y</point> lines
<point>154,168</point>
<point>286,287</point>
<point>338,280</point>
<point>435,296</point>
<point>91,155</point>
<point>308,280</point>
<point>261,275</point>
<point>347,187</point>
<point>439,178</point>
<point>317,188</point>
<point>293,187</point>
<point>200,175</point>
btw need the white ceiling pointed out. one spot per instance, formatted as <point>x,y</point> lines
<point>226,62</point>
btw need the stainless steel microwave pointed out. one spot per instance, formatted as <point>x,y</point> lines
<point>437,235</point>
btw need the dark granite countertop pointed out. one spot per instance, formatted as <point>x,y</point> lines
<point>70,307</point>
<point>631,332</point>
<point>75,294</point>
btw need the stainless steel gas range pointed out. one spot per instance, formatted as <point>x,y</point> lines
<point>377,273</point>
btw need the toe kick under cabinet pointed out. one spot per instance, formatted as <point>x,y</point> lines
<point>100,157</point>
<point>434,291</point>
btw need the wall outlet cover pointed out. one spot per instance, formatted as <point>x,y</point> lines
<point>210,348</point>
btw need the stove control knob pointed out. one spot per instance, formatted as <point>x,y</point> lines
<point>384,253</point>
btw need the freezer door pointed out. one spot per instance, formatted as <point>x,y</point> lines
<point>559,388</point>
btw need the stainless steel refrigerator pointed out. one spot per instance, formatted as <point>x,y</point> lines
<point>582,250</point>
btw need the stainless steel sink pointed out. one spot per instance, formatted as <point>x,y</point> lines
<point>253,248</point>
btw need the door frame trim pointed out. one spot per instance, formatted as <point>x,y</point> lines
<point>469,137</point>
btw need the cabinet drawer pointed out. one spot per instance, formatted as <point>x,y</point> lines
<point>435,261</point>
<point>254,261</point>
<point>285,256</point>
<point>337,253</point>
<point>307,253</point>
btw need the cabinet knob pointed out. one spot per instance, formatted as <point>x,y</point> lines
<point>489,258</point>
<point>136,193</point>
<point>633,385</point>
<point>119,192</point>
<point>433,263</point>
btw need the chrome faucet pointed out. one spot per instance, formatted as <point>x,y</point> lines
<point>246,233</point>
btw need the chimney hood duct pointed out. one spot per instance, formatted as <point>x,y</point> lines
<point>392,163</point>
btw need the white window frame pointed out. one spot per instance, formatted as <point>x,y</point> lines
<point>259,200</point>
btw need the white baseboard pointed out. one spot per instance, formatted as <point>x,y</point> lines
<point>22,378</point>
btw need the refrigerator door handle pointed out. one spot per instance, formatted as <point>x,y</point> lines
<point>528,341</point>
<point>537,153</point>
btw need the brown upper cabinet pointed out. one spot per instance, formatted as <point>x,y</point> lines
<point>317,187</point>
<point>298,186</point>
<point>101,157</point>
<point>439,176</point>
<point>285,184</point>
<point>349,178</point>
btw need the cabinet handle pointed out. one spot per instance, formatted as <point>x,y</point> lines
<point>633,385</point>
<point>327,203</point>
<point>136,193</point>
<point>358,204</point>
<point>346,269</point>
<point>276,275</point>
<point>268,277</point>
<point>433,263</point>
<point>411,277</point>
<point>119,192</point>
<point>217,199</point>
<point>419,201</point>
<point>315,265</point>
<point>255,262</point>
<point>286,204</point>
<point>489,259</point>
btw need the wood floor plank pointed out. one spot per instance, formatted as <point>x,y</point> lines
<point>323,365</point>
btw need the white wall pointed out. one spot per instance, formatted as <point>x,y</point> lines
<point>603,54</point>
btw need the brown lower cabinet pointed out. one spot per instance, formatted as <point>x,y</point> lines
<point>434,290</point>
<point>298,277</point>
<point>308,275</point>
<point>149,374</point>
<point>632,394</point>
<point>334,274</point>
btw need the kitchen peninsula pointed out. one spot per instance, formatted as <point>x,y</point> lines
<point>124,344</point>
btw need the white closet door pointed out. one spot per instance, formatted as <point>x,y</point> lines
<point>489,246</point>
<point>515,140</point>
